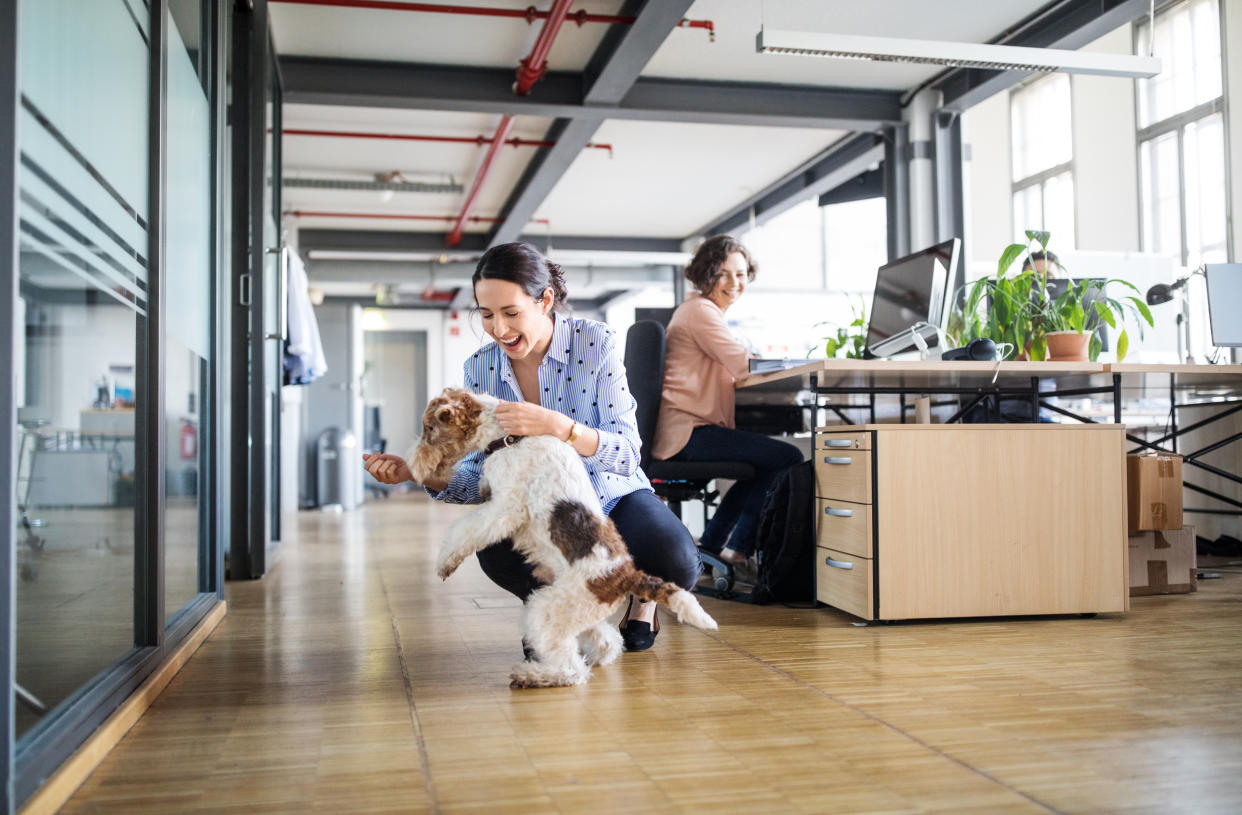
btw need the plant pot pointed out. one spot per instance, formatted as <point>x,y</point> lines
<point>1068,346</point>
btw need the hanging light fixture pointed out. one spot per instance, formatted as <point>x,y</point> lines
<point>954,54</point>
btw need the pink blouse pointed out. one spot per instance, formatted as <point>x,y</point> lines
<point>701,363</point>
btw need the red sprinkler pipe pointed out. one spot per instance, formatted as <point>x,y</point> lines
<point>529,14</point>
<point>479,140</point>
<point>454,235</point>
<point>532,69</point>
<point>391,216</point>
<point>529,71</point>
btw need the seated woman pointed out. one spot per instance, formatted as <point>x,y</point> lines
<point>702,362</point>
<point>560,376</point>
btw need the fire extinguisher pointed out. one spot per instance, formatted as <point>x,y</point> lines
<point>189,440</point>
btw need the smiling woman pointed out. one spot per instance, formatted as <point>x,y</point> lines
<point>559,376</point>
<point>696,408</point>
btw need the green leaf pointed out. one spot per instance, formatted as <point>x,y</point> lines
<point>1144,310</point>
<point>1041,237</point>
<point>1011,253</point>
<point>831,347</point>
<point>1123,345</point>
<point>1094,347</point>
<point>1106,314</point>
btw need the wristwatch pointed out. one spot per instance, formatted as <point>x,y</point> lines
<point>574,432</point>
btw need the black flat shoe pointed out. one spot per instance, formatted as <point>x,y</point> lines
<point>637,635</point>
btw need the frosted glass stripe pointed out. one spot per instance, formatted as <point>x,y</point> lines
<point>33,242</point>
<point>84,65</point>
<point>104,275</point>
<point>50,155</point>
<point>93,234</point>
<point>188,236</point>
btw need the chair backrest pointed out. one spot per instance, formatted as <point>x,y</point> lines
<point>644,370</point>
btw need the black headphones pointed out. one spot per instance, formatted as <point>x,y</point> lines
<point>981,349</point>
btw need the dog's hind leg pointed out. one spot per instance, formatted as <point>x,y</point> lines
<point>478,530</point>
<point>601,644</point>
<point>552,623</point>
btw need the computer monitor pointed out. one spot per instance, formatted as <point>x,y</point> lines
<point>1224,296</point>
<point>911,294</point>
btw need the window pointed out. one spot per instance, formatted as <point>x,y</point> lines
<point>1043,156</point>
<point>1181,136</point>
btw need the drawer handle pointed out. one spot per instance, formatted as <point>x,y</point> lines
<point>839,564</point>
<point>840,513</point>
<point>838,460</point>
<point>839,443</point>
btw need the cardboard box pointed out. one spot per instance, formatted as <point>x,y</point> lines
<point>1153,492</point>
<point>1163,562</point>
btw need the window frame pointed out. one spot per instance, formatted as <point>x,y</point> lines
<point>1177,123</point>
<point>1041,178</point>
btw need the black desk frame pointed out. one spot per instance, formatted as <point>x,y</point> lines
<point>1037,398</point>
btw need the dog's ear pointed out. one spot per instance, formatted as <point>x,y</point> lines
<point>444,415</point>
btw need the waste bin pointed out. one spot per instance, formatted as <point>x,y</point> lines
<point>338,468</point>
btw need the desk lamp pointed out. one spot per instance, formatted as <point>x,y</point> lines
<point>1163,293</point>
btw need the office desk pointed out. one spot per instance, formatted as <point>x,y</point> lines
<point>861,381</point>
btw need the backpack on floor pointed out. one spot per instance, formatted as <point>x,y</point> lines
<point>785,541</point>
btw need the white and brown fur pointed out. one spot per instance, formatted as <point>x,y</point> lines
<point>542,499</point>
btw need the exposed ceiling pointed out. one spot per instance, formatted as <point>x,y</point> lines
<point>696,127</point>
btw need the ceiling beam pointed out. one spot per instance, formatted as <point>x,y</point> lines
<point>843,161</point>
<point>1069,25</point>
<point>559,95</point>
<point>362,240</point>
<point>611,73</point>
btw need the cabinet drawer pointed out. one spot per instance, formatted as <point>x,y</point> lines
<point>844,475</point>
<point>844,581</point>
<point>858,440</point>
<point>843,526</point>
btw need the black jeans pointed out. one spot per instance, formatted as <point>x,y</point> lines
<point>658,541</point>
<point>736,521</point>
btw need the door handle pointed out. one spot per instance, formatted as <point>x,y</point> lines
<point>838,460</point>
<point>839,564</point>
<point>840,513</point>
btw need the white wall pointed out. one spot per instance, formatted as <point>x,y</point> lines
<point>1106,203</point>
<point>986,128</point>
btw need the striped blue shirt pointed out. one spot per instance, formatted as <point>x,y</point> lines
<point>582,376</point>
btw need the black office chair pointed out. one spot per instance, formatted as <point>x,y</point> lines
<point>674,481</point>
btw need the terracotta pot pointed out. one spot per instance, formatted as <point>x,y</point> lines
<point>1068,346</point>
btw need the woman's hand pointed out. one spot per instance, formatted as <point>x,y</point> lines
<point>387,468</point>
<point>526,419</point>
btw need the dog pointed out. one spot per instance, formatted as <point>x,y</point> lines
<point>540,497</point>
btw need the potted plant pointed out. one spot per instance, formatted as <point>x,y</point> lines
<point>1021,310</point>
<point>851,339</point>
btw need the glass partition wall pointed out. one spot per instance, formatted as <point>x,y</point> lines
<point>115,137</point>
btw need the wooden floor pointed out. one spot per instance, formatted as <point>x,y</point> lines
<point>350,679</point>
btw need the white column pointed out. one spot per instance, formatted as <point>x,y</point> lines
<point>918,117</point>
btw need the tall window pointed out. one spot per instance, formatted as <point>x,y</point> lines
<point>1043,156</point>
<point>1181,136</point>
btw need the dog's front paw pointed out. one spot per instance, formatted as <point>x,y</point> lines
<point>449,561</point>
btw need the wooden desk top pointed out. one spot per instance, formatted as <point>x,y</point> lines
<point>1202,379</point>
<point>866,373</point>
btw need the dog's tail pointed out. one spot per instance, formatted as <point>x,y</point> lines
<point>678,600</point>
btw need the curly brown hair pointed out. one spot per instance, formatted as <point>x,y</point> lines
<point>704,268</point>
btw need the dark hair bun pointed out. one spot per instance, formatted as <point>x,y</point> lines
<point>524,265</point>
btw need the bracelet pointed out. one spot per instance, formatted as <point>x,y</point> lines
<point>574,432</point>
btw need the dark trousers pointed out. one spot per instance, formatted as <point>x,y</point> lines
<point>736,521</point>
<point>658,541</point>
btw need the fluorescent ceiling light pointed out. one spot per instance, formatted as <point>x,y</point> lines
<point>957,54</point>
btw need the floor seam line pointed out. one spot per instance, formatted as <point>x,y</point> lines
<point>423,759</point>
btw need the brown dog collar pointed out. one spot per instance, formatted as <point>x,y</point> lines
<point>503,441</point>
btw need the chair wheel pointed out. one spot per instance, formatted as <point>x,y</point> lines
<point>723,584</point>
